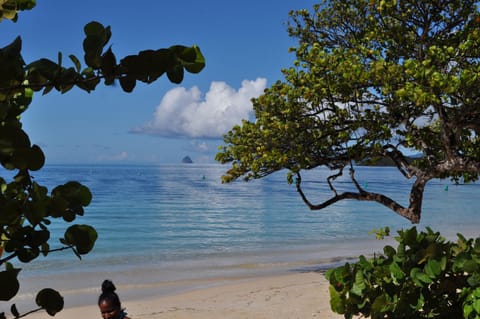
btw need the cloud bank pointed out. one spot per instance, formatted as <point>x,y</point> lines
<point>185,112</point>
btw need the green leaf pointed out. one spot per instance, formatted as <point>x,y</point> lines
<point>47,89</point>
<point>109,64</point>
<point>74,192</point>
<point>93,50</point>
<point>20,158</point>
<point>175,74</point>
<point>76,62</point>
<point>474,280</point>
<point>434,250</point>
<point>396,271</point>
<point>148,65</point>
<point>12,137</point>
<point>14,311</point>
<point>82,237</point>
<point>389,251</point>
<point>471,266</point>
<point>27,254</point>
<point>419,277</point>
<point>476,306</point>
<point>337,302</point>
<point>58,205</point>
<point>359,285</point>
<point>50,300</point>
<point>69,215</point>
<point>94,28</point>
<point>186,54</point>
<point>45,68</point>
<point>10,284</point>
<point>96,38</point>
<point>379,306</point>
<point>36,158</point>
<point>127,83</point>
<point>45,249</point>
<point>192,59</point>
<point>433,268</point>
<point>13,49</point>
<point>39,237</point>
<point>10,212</point>
<point>410,237</point>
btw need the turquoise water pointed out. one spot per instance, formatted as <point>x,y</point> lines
<point>178,224</point>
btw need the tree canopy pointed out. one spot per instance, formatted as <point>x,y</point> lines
<point>371,79</point>
<point>26,207</point>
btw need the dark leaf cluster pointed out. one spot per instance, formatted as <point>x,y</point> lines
<point>425,276</point>
<point>26,207</point>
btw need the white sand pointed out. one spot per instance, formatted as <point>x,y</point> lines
<point>299,295</point>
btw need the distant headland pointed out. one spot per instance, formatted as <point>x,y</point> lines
<point>386,161</point>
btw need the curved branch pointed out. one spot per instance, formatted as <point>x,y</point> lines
<point>29,313</point>
<point>400,161</point>
<point>412,212</point>
<point>354,180</point>
<point>39,86</point>
<point>332,178</point>
<point>3,260</point>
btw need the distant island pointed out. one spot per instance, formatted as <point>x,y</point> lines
<point>187,160</point>
<point>385,161</point>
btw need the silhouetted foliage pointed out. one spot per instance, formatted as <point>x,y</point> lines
<point>27,207</point>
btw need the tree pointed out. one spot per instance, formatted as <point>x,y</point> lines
<point>26,207</point>
<point>372,79</point>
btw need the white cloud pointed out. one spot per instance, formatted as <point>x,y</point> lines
<point>185,112</point>
<point>200,146</point>
<point>114,158</point>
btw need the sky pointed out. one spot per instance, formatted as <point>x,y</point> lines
<point>245,44</point>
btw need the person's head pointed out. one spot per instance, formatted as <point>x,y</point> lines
<point>108,301</point>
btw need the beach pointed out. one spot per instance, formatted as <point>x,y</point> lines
<point>289,296</point>
<point>179,244</point>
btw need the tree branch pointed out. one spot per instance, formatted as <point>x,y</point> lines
<point>39,86</point>
<point>4,260</point>
<point>399,160</point>
<point>28,313</point>
<point>412,213</point>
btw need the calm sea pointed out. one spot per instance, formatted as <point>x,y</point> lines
<point>168,227</point>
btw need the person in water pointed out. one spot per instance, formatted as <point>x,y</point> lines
<point>109,302</point>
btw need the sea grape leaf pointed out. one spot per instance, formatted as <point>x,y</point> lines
<point>50,300</point>
<point>337,302</point>
<point>10,284</point>
<point>433,268</point>
<point>82,237</point>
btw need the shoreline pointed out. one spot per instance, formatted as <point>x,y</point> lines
<point>217,289</point>
<point>294,295</point>
<point>80,288</point>
<point>290,285</point>
<point>78,280</point>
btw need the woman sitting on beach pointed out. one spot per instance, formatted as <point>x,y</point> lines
<point>109,302</point>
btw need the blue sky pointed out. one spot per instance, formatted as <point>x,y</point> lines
<point>245,44</point>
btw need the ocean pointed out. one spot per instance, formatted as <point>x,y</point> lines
<point>168,228</point>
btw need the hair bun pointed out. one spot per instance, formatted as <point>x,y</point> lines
<point>108,286</point>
